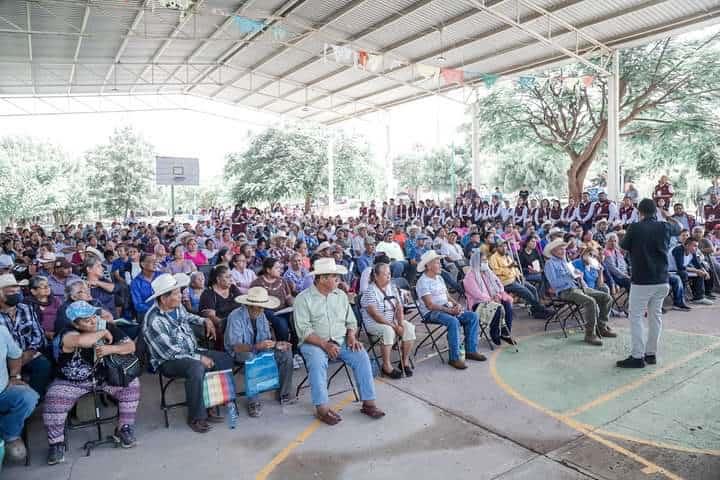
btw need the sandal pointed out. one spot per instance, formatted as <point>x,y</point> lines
<point>372,412</point>
<point>394,374</point>
<point>329,417</point>
<point>199,426</point>
<point>408,372</point>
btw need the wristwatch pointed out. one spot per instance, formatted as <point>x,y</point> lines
<point>17,377</point>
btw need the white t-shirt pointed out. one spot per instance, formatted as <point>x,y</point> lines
<point>435,288</point>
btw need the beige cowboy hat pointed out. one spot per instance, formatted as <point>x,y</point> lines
<point>547,251</point>
<point>322,246</point>
<point>167,283</point>
<point>96,252</point>
<point>426,258</point>
<point>258,297</point>
<point>327,266</point>
<point>47,257</point>
<point>9,280</point>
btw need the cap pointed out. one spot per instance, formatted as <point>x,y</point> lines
<point>80,309</point>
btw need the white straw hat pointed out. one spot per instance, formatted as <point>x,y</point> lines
<point>258,297</point>
<point>167,283</point>
<point>547,251</point>
<point>426,258</point>
<point>327,266</point>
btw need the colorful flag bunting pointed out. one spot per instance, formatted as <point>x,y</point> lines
<point>248,25</point>
<point>489,79</point>
<point>452,75</point>
<point>526,82</point>
<point>427,71</point>
<point>344,54</point>
<point>588,80</point>
<point>374,62</point>
<point>362,58</point>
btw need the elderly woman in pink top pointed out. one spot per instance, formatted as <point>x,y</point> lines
<point>194,254</point>
<point>487,297</point>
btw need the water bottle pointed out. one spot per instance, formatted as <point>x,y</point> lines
<point>462,353</point>
<point>232,415</point>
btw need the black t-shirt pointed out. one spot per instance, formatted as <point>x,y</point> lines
<point>86,356</point>
<point>648,242</point>
<point>210,300</point>
<point>526,259</point>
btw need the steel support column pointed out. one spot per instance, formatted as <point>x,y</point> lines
<point>331,174</point>
<point>613,135</point>
<point>475,147</point>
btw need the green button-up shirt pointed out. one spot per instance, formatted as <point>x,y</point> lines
<point>328,317</point>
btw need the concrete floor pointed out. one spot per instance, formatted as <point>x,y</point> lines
<point>487,422</point>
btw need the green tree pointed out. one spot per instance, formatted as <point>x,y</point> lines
<point>120,171</point>
<point>537,167</point>
<point>409,170</point>
<point>39,180</point>
<point>437,170</point>
<point>293,163</point>
<point>665,86</point>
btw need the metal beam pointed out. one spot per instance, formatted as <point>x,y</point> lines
<point>86,15</point>
<point>385,23</point>
<point>518,46</point>
<point>613,130</point>
<point>230,53</point>
<point>228,21</point>
<point>183,21</point>
<point>444,49</point>
<point>123,45</point>
<point>324,23</point>
<point>30,49</point>
<point>635,37</point>
<point>548,40</point>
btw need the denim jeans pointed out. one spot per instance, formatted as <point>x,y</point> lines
<point>317,360</point>
<point>17,403</point>
<point>525,291</point>
<point>397,268</point>
<point>469,321</point>
<point>39,373</point>
<point>280,324</point>
<point>678,290</point>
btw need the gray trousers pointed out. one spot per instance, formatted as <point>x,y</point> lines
<point>284,360</point>
<point>646,298</point>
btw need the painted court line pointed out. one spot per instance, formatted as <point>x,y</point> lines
<point>648,466</point>
<point>299,440</point>
<point>640,381</point>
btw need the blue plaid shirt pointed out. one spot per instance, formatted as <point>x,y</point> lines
<point>169,335</point>
<point>25,329</point>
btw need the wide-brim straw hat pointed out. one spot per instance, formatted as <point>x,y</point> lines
<point>547,251</point>
<point>167,283</point>
<point>96,252</point>
<point>9,280</point>
<point>426,258</point>
<point>327,266</point>
<point>258,297</point>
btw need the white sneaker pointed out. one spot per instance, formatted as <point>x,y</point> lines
<point>297,361</point>
<point>705,301</point>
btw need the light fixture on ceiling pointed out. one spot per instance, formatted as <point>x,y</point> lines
<point>441,58</point>
<point>305,107</point>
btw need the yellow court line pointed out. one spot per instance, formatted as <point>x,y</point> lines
<point>299,440</point>
<point>649,467</point>
<point>651,443</point>
<point>640,381</point>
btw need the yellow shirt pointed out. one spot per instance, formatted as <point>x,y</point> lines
<point>501,265</point>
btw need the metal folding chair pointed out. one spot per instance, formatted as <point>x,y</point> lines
<point>372,342</point>
<point>434,331</point>
<point>343,367</point>
<point>97,421</point>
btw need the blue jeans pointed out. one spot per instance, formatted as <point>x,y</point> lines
<point>280,324</point>
<point>316,361</point>
<point>469,321</point>
<point>39,374</point>
<point>525,291</point>
<point>17,403</point>
<point>678,290</point>
<point>397,268</point>
<point>450,281</point>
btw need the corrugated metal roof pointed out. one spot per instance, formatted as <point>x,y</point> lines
<point>136,45</point>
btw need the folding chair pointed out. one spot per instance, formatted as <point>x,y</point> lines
<point>619,301</point>
<point>434,334</point>
<point>343,367</point>
<point>562,311</point>
<point>25,435</point>
<point>484,328</point>
<point>97,421</point>
<point>165,383</point>
<point>374,341</point>
<point>404,286</point>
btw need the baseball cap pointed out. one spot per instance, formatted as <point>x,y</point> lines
<point>80,309</point>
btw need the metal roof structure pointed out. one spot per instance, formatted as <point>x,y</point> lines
<point>272,55</point>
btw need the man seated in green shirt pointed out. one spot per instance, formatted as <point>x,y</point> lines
<point>326,328</point>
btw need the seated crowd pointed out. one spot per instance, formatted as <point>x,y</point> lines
<point>197,298</point>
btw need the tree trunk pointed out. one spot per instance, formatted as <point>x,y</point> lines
<point>308,199</point>
<point>580,163</point>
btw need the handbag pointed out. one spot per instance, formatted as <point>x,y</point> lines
<point>119,370</point>
<point>218,388</point>
<point>261,374</point>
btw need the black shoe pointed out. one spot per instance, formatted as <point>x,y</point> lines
<point>408,371</point>
<point>496,341</point>
<point>394,373</point>
<point>711,296</point>
<point>56,454</point>
<point>683,308</point>
<point>650,359</point>
<point>631,362</point>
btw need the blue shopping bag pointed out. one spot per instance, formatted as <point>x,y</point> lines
<point>261,374</point>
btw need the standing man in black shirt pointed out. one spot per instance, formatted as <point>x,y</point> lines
<point>647,242</point>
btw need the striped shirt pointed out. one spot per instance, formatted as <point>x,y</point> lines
<point>379,299</point>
